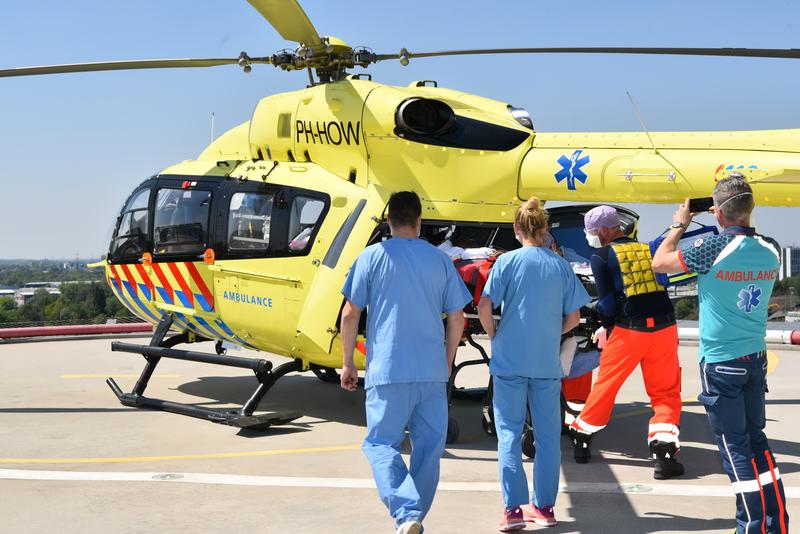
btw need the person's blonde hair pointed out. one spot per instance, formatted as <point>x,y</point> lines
<point>531,218</point>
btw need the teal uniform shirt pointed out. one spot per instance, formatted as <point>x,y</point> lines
<point>736,273</point>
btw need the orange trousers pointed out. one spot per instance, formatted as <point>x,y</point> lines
<point>657,353</point>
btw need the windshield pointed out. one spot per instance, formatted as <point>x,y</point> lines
<point>181,221</point>
<point>130,238</point>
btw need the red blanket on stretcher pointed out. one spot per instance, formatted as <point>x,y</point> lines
<point>475,273</point>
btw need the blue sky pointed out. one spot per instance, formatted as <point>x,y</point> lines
<point>73,146</point>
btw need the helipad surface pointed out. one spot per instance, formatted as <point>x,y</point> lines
<point>73,459</point>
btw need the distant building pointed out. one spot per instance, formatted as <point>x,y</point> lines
<point>24,294</point>
<point>790,262</point>
<point>37,285</point>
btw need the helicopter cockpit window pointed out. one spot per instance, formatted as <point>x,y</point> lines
<point>303,219</point>
<point>130,239</point>
<point>249,222</point>
<point>181,221</point>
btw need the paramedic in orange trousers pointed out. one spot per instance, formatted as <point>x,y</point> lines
<point>639,314</point>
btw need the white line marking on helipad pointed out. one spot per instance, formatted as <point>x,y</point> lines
<point>680,490</point>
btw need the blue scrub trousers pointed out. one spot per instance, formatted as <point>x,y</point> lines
<point>733,396</point>
<point>512,397</point>
<point>391,408</point>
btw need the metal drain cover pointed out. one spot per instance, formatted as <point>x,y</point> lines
<point>636,488</point>
<point>167,476</point>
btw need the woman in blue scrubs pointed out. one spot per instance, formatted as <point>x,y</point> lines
<point>540,298</point>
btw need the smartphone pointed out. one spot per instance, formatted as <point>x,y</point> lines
<point>700,205</point>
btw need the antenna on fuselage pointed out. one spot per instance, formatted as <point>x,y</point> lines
<point>212,126</point>
<point>641,121</point>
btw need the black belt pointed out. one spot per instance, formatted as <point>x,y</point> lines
<point>646,324</point>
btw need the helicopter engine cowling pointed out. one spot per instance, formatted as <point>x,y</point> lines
<point>321,124</point>
<point>460,152</point>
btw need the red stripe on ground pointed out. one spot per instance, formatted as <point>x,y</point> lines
<point>71,330</point>
<point>201,285</point>
<point>164,282</point>
<point>181,282</point>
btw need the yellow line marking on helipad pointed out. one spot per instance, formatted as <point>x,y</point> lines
<point>117,376</point>
<point>211,456</point>
<point>772,361</point>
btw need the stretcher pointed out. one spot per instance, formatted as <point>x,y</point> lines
<point>580,355</point>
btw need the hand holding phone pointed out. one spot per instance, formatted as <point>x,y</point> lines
<point>700,205</point>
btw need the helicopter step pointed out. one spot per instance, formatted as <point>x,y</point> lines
<point>162,348</point>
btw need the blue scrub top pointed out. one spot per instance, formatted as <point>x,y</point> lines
<point>405,286</point>
<point>536,288</point>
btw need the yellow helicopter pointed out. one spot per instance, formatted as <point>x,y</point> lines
<point>250,242</point>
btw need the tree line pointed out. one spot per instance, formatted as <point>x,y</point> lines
<point>79,303</point>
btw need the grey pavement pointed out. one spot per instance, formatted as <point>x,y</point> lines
<point>73,460</point>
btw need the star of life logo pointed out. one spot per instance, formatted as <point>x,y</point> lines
<point>749,298</point>
<point>571,169</point>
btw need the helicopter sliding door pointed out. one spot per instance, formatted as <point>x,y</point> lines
<point>265,239</point>
<point>348,229</point>
<point>181,233</point>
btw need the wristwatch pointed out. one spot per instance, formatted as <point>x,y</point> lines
<point>677,224</point>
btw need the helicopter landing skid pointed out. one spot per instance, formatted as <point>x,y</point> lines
<point>162,348</point>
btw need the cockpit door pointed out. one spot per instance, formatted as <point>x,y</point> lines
<point>317,324</point>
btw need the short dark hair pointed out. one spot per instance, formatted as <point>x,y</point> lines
<point>736,195</point>
<point>404,208</point>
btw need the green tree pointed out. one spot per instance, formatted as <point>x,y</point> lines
<point>85,302</point>
<point>34,309</point>
<point>686,309</point>
<point>8,310</point>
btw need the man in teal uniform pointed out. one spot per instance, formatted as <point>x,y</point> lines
<point>736,273</point>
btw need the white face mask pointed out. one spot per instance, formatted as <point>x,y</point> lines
<point>593,240</point>
<point>518,238</point>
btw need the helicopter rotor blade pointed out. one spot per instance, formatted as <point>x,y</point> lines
<point>243,60</point>
<point>289,19</point>
<point>784,53</point>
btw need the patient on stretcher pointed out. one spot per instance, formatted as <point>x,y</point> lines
<point>461,248</point>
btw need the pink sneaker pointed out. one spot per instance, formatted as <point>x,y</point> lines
<point>512,520</point>
<point>544,517</point>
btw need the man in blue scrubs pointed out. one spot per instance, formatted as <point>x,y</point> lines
<point>406,285</point>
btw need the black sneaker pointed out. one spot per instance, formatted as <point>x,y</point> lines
<point>581,445</point>
<point>582,454</point>
<point>667,468</point>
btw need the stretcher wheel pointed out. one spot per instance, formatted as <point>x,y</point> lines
<point>528,446</point>
<point>452,430</point>
<point>488,426</point>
